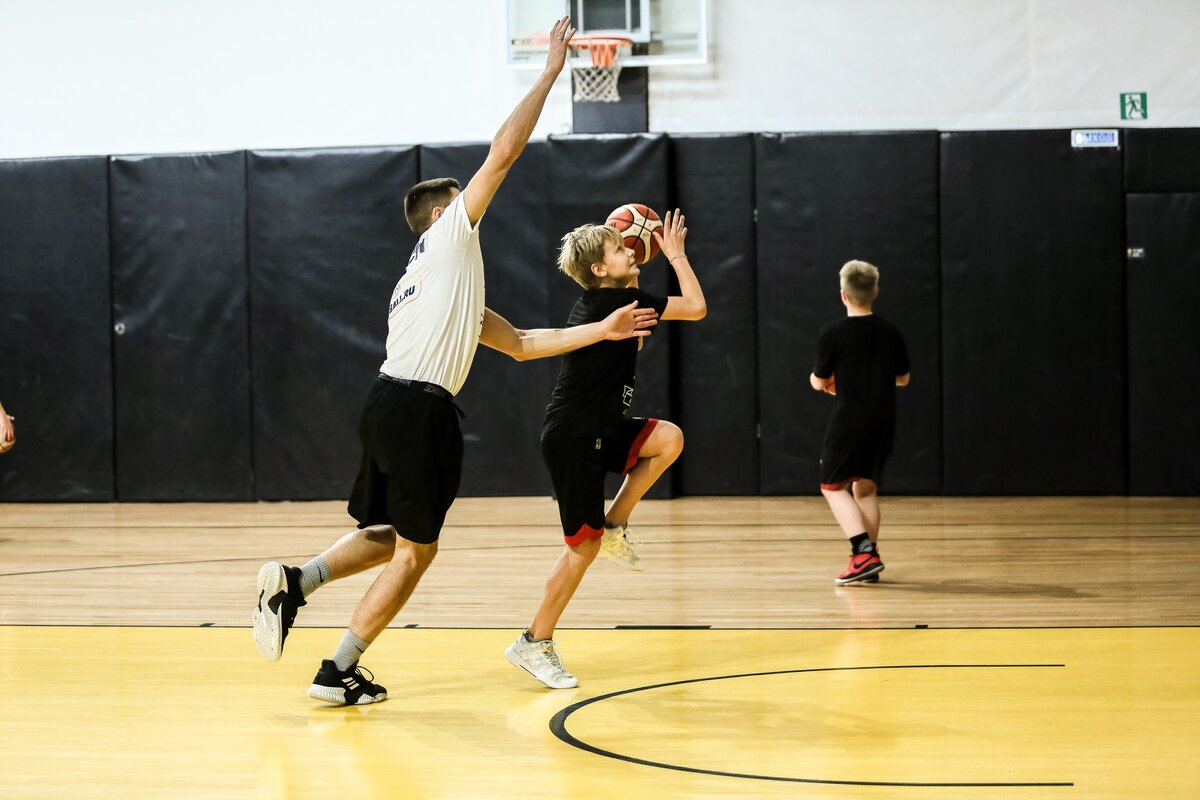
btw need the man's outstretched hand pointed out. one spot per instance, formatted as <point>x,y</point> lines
<point>629,321</point>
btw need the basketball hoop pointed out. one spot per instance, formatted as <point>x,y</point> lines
<point>597,83</point>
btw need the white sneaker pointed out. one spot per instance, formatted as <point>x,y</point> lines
<point>540,660</point>
<point>616,547</point>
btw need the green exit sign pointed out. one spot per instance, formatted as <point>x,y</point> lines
<point>1133,106</point>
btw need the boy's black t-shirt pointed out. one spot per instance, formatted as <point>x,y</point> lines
<point>865,355</point>
<point>595,385</point>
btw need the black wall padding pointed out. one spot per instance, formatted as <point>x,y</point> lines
<point>1162,160</point>
<point>1033,311</point>
<point>56,329</point>
<point>1164,344</point>
<point>589,176</point>
<point>824,199</point>
<point>327,244</point>
<point>717,390</point>
<point>504,399</point>
<point>181,349</point>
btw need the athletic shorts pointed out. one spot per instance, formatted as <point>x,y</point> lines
<point>840,467</point>
<point>577,469</point>
<point>412,459</point>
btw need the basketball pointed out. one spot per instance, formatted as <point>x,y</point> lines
<point>637,222</point>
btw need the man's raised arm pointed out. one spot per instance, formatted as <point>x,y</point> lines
<point>514,134</point>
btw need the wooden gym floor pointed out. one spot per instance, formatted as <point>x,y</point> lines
<point>1014,648</point>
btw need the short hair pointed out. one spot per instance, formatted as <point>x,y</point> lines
<point>420,200</point>
<point>583,247</point>
<point>860,282</point>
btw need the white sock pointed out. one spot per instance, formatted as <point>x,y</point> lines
<point>349,651</point>
<point>314,575</point>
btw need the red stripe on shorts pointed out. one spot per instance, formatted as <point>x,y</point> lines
<point>584,533</point>
<point>643,435</point>
<point>833,487</point>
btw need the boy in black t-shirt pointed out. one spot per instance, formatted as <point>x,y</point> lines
<point>587,432</point>
<point>867,356</point>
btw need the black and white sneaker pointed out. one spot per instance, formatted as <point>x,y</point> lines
<point>279,598</point>
<point>352,687</point>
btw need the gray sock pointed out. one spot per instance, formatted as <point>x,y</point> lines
<point>314,575</point>
<point>349,651</point>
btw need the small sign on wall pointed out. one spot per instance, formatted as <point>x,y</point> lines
<point>1133,106</point>
<point>1095,137</point>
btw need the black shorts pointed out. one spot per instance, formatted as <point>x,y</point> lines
<point>577,468</point>
<point>412,459</point>
<point>842,466</point>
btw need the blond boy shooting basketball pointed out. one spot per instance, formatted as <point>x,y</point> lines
<point>587,431</point>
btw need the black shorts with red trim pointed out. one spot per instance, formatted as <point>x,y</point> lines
<point>577,469</point>
<point>842,467</point>
<point>412,458</point>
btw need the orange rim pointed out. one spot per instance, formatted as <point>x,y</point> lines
<point>603,48</point>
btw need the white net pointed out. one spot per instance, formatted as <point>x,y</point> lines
<point>597,82</point>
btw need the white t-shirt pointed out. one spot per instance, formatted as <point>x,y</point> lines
<point>436,312</point>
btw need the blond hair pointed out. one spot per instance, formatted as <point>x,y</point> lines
<point>860,282</point>
<point>583,247</point>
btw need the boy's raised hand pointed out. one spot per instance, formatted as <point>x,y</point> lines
<point>674,232</point>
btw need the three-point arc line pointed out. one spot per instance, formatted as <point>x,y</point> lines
<point>558,725</point>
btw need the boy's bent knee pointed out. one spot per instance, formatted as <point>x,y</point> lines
<point>670,438</point>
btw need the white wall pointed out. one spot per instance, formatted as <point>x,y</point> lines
<point>781,65</point>
<point>145,76</point>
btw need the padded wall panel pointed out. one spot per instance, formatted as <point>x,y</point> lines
<point>824,199</point>
<point>327,244</point>
<point>717,364</point>
<point>1164,343</point>
<point>56,329</point>
<point>181,350</point>
<point>1162,160</point>
<point>589,176</point>
<point>504,400</point>
<point>1033,293</point>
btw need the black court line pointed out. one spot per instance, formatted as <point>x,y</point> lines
<point>558,726</point>
<point>705,629</point>
<point>535,524</point>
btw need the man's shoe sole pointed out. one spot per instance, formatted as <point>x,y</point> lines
<point>337,697</point>
<point>268,624</point>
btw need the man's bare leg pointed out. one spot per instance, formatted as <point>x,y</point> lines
<point>391,590</point>
<point>360,550</point>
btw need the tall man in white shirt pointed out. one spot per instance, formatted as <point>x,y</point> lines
<point>412,444</point>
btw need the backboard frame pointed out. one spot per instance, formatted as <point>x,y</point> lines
<point>523,50</point>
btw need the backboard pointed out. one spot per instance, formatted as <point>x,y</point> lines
<point>664,32</point>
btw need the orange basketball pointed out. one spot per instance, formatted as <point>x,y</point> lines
<point>637,222</point>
